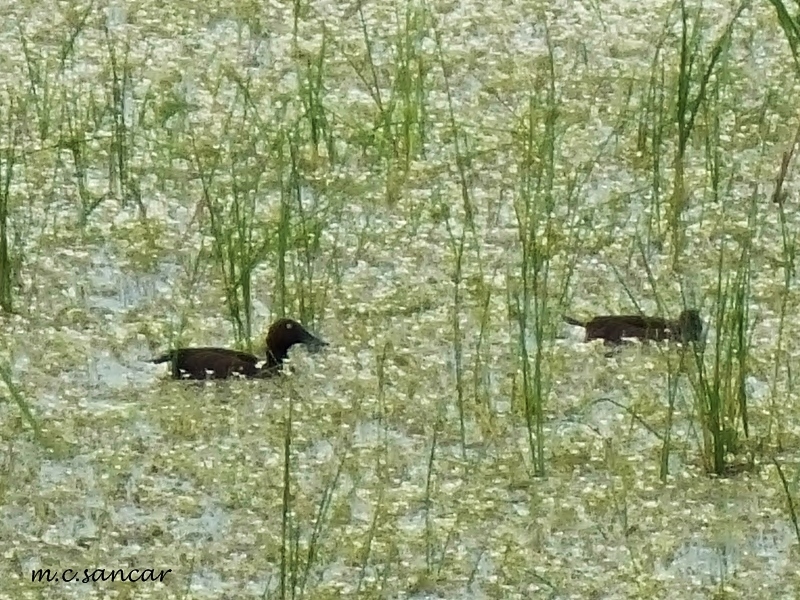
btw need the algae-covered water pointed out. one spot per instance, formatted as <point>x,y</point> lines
<point>429,187</point>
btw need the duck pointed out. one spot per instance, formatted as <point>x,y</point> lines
<point>221,363</point>
<point>688,327</point>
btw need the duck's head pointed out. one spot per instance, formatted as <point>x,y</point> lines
<point>285,333</point>
<point>691,325</point>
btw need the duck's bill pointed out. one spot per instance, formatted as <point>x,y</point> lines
<point>314,343</point>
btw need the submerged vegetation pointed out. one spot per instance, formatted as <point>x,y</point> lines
<point>430,187</point>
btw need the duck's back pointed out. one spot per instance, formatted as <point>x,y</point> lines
<point>204,363</point>
<point>615,327</point>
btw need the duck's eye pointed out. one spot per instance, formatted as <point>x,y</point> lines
<point>288,326</point>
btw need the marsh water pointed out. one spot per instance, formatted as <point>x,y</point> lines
<point>387,166</point>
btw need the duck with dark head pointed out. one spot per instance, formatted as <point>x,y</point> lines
<point>688,327</point>
<point>221,363</point>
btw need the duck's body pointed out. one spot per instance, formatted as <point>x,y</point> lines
<point>688,327</point>
<point>209,363</point>
<point>221,363</point>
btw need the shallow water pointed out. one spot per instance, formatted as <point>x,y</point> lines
<point>392,492</point>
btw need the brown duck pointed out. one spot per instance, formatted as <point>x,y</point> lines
<point>221,363</point>
<point>688,327</point>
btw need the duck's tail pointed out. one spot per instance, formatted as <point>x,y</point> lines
<point>572,321</point>
<point>166,357</point>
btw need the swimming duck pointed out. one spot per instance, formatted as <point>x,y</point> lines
<point>221,363</point>
<point>688,327</point>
